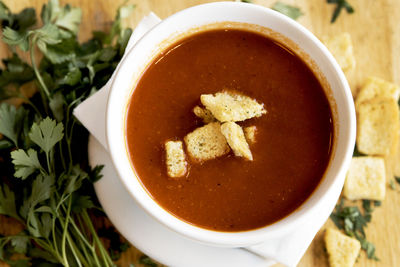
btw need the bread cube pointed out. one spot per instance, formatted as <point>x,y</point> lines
<point>366,179</point>
<point>204,114</point>
<point>377,88</point>
<point>229,106</point>
<point>250,134</point>
<point>341,47</point>
<point>342,249</point>
<point>206,142</point>
<point>175,159</point>
<point>377,126</point>
<point>236,140</point>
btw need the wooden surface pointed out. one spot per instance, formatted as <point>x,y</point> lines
<point>375,30</point>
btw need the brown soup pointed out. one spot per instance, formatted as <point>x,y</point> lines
<point>293,139</point>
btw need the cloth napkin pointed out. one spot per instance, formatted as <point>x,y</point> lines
<point>286,250</point>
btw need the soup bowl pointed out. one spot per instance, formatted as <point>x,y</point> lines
<point>276,26</point>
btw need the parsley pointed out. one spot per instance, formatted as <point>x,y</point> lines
<point>288,10</point>
<point>340,4</point>
<point>397,179</point>
<point>353,221</point>
<point>146,261</point>
<point>46,183</point>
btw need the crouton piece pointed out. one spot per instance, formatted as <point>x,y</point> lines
<point>377,127</point>
<point>236,140</point>
<point>342,49</point>
<point>206,142</point>
<point>250,134</point>
<point>342,249</point>
<point>229,106</point>
<point>175,159</point>
<point>366,179</point>
<point>376,87</point>
<point>204,114</point>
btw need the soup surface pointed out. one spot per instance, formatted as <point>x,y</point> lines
<point>293,143</point>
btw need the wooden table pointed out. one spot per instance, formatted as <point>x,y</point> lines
<point>375,30</point>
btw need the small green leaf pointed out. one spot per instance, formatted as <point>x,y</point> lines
<point>11,121</point>
<point>25,163</point>
<point>72,78</point>
<point>20,243</point>
<point>7,202</point>
<point>397,179</point>
<point>392,185</point>
<point>15,38</point>
<point>69,19</point>
<point>46,134</point>
<point>288,10</point>
<point>146,261</point>
<point>57,106</point>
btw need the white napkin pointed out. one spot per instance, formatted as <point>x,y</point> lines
<point>287,250</point>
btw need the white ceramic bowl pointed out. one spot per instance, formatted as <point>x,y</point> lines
<point>185,21</point>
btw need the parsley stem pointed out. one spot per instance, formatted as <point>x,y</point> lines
<point>107,260</point>
<point>64,236</point>
<point>35,69</point>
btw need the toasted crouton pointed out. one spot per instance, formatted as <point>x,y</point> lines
<point>206,142</point>
<point>342,49</point>
<point>376,87</point>
<point>236,140</point>
<point>366,179</point>
<point>250,134</point>
<point>377,127</point>
<point>175,159</point>
<point>204,114</point>
<point>342,249</point>
<point>229,106</point>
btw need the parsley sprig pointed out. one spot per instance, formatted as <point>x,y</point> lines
<point>340,4</point>
<point>46,183</point>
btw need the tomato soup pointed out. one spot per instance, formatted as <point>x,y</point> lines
<point>293,142</point>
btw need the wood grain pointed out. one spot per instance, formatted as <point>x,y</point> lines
<point>375,31</point>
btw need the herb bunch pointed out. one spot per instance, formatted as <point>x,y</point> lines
<point>45,181</point>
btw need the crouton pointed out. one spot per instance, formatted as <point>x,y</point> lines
<point>250,134</point>
<point>376,87</point>
<point>229,106</point>
<point>377,127</point>
<point>366,179</point>
<point>206,142</point>
<point>342,49</point>
<point>204,114</point>
<point>236,140</point>
<point>175,159</point>
<point>342,249</point>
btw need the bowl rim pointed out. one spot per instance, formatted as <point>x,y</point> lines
<point>229,239</point>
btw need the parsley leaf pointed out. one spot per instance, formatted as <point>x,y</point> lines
<point>340,4</point>
<point>46,134</point>
<point>11,121</point>
<point>7,202</point>
<point>397,179</point>
<point>288,10</point>
<point>25,163</point>
<point>16,72</point>
<point>146,261</point>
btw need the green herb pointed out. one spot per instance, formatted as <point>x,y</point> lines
<point>246,1</point>
<point>146,261</point>
<point>353,221</point>
<point>357,153</point>
<point>340,4</point>
<point>46,183</point>
<point>392,185</point>
<point>288,10</point>
<point>397,179</point>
